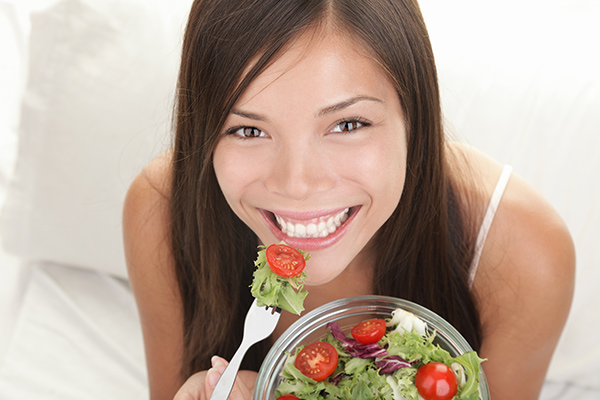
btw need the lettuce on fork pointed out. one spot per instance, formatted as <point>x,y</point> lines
<point>273,290</point>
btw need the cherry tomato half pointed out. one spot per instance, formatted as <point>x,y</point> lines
<point>370,331</point>
<point>285,260</point>
<point>288,397</point>
<point>318,360</point>
<point>436,381</point>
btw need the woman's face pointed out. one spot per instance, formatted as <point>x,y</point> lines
<point>314,153</point>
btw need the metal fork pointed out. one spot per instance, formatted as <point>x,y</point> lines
<point>260,323</point>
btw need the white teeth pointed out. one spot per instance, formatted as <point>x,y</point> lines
<point>318,227</point>
<point>300,230</point>
<point>344,217</point>
<point>322,226</point>
<point>337,221</point>
<point>330,222</point>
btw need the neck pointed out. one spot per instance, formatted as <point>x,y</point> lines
<point>355,280</point>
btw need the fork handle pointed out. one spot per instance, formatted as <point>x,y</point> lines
<point>226,381</point>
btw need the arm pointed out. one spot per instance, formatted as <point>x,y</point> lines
<point>151,273</point>
<point>524,288</point>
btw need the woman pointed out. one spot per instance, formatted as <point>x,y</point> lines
<point>290,113</point>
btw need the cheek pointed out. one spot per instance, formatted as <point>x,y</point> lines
<point>229,172</point>
<point>394,173</point>
<point>392,162</point>
<point>380,166</point>
<point>240,172</point>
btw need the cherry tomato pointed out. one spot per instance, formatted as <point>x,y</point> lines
<point>285,260</point>
<point>318,360</point>
<point>370,331</point>
<point>288,397</point>
<point>436,381</point>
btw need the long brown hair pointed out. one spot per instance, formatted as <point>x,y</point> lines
<point>424,249</point>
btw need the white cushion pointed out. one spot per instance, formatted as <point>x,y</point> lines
<point>97,107</point>
<point>77,336</point>
<point>12,76</point>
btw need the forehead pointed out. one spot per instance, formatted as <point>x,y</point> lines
<point>319,66</point>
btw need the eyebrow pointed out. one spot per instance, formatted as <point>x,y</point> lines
<point>249,115</point>
<point>325,111</point>
<point>345,104</point>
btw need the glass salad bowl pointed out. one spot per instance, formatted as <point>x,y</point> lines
<point>347,313</point>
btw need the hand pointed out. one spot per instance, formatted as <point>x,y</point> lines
<point>200,386</point>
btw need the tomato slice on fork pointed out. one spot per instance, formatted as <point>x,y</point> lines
<point>284,260</point>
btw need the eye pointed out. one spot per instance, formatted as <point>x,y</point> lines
<point>246,132</point>
<point>349,125</point>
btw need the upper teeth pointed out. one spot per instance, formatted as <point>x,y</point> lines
<point>315,228</point>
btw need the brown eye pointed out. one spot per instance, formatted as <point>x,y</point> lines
<point>251,132</point>
<point>247,132</point>
<point>349,126</point>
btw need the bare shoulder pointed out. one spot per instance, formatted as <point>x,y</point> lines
<point>528,243</point>
<point>146,214</point>
<point>526,230</point>
<point>154,179</point>
<point>150,266</point>
<point>524,283</point>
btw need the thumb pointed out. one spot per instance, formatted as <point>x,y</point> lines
<point>214,374</point>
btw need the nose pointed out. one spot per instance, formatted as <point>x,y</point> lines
<point>300,170</point>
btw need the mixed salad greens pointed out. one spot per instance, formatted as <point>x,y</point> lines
<point>393,359</point>
<point>279,277</point>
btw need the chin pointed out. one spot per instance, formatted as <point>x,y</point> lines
<point>320,272</point>
<point>317,280</point>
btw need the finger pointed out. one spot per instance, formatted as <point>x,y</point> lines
<point>216,360</point>
<point>244,385</point>
<point>193,388</point>
<point>214,374</point>
<point>241,390</point>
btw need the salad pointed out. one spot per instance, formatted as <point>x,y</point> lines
<point>393,359</point>
<point>279,278</point>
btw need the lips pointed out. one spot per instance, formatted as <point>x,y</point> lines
<point>310,231</point>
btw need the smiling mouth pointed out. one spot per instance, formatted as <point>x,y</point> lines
<point>319,227</point>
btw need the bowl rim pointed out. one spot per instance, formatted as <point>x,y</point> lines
<point>338,309</point>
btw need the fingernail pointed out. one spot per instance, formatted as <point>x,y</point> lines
<point>216,361</point>
<point>213,376</point>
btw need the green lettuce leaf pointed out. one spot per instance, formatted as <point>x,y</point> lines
<point>472,364</point>
<point>272,290</point>
<point>357,378</point>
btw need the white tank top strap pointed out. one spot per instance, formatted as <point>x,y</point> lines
<point>488,218</point>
